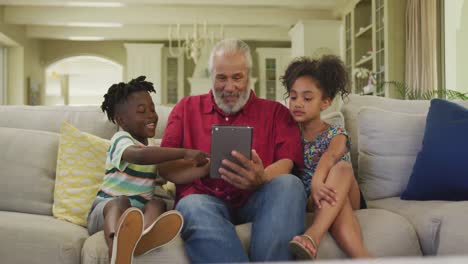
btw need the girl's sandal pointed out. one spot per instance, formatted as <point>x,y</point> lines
<point>300,251</point>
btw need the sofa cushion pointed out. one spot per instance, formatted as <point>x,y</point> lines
<point>334,118</point>
<point>353,103</point>
<point>27,161</point>
<point>163,112</point>
<point>30,238</point>
<point>397,238</point>
<point>95,249</point>
<point>453,235</point>
<point>425,216</point>
<point>388,145</point>
<point>80,170</point>
<point>439,172</point>
<point>49,118</point>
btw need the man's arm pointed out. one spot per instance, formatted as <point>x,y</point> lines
<point>178,171</point>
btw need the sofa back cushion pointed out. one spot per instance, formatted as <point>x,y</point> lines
<point>49,118</point>
<point>388,145</point>
<point>27,161</point>
<point>163,112</point>
<point>353,103</point>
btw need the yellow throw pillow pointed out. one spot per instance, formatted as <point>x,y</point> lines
<point>80,170</point>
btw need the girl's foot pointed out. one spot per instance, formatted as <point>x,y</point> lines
<point>162,231</point>
<point>129,231</point>
<point>303,247</point>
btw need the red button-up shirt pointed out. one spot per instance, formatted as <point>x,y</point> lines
<point>275,136</point>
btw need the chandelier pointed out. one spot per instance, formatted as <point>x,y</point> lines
<point>195,42</point>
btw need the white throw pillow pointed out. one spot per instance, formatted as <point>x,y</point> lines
<point>388,145</point>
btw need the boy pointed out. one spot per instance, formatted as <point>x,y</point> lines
<point>132,218</point>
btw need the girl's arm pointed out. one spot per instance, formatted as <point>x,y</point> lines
<point>278,168</point>
<point>182,171</point>
<point>332,155</point>
<point>154,155</point>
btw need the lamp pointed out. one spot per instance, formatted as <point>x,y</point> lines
<point>195,42</point>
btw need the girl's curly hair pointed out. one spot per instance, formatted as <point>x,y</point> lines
<point>119,92</point>
<point>328,72</point>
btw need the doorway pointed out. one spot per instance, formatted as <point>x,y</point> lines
<point>80,80</point>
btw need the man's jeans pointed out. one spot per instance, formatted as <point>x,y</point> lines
<point>276,210</point>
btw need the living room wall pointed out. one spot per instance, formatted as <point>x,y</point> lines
<point>23,63</point>
<point>53,50</point>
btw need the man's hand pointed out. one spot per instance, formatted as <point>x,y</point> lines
<point>200,157</point>
<point>320,191</point>
<point>249,176</point>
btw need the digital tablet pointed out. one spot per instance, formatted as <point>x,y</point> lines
<point>225,139</point>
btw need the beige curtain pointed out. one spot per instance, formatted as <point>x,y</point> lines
<point>421,45</point>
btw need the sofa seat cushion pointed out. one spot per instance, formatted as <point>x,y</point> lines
<point>27,161</point>
<point>95,249</point>
<point>29,238</point>
<point>453,235</point>
<point>398,238</point>
<point>385,234</point>
<point>425,216</point>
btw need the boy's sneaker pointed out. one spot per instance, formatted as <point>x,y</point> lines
<point>129,231</point>
<point>162,231</point>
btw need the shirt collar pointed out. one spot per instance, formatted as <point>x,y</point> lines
<point>209,105</point>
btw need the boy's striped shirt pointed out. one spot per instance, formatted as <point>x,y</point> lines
<point>123,178</point>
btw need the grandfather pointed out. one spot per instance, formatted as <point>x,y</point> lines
<point>264,192</point>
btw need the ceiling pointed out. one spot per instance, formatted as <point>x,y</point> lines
<point>261,20</point>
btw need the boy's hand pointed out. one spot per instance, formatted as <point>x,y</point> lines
<point>200,157</point>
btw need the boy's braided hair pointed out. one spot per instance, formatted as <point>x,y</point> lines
<point>119,92</point>
<point>328,71</point>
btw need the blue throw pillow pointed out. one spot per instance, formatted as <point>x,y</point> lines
<point>441,168</point>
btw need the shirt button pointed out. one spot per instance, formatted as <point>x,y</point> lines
<point>217,189</point>
<point>228,197</point>
<point>227,118</point>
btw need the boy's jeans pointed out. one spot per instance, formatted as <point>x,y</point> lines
<point>276,210</point>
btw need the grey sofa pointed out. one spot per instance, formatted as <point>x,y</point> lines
<point>30,234</point>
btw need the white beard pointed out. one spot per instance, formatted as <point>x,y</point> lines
<point>231,109</point>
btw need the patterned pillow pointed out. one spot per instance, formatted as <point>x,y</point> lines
<point>80,170</point>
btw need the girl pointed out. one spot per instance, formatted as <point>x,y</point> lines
<point>332,190</point>
<point>133,219</point>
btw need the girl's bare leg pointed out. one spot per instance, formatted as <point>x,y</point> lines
<point>339,218</point>
<point>346,229</point>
